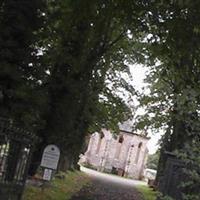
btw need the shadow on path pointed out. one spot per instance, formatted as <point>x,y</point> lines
<point>104,188</point>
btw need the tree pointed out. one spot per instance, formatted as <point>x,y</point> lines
<point>152,161</point>
<point>21,68</point>
<point>174,98</point>
<point>87,47</point>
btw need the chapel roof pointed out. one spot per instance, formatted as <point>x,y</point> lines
<point>128,127</point>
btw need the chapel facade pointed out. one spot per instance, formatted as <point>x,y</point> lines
<point>124,154</point>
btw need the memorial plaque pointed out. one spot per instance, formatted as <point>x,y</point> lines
<point>47,174</point>
<point>50,157</point>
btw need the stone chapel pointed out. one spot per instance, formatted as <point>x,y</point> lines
<point>124,155</point>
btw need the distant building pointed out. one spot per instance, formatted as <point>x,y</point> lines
<point>125,154</point>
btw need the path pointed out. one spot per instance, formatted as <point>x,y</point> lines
<point>108,187</point>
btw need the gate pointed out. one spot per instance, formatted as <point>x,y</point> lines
<point>173,176</point>
<point>15,153</point>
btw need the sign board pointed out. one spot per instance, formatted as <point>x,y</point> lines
<point>47,174</point>
<point>50,157</point>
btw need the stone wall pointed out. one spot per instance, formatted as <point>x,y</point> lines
<point>124,154</point>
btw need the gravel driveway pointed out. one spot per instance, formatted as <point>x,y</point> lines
<point>108,187</point>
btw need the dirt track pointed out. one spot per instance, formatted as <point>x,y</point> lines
<point>106,187</point>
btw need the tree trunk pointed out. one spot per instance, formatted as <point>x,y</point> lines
<point>36,159</point>
<point>64,163</point>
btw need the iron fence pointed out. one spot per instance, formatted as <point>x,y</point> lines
<point>15,152</point>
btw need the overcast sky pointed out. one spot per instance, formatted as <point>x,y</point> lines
<point>139,73</point>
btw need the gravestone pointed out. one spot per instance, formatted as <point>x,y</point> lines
<point>49,162</point>
<point>50,157</point>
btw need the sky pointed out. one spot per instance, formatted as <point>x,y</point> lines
<point>139,73</point>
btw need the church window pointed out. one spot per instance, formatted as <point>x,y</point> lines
<point>101,136</point>
<point>121,139</point>
<point>138,152</point>
<point>118,147</point>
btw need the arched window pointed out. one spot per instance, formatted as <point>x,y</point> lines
<point>101,136</point>
<point>119,146</point>
<point>90,145</point>
<point>121,139</point>
<point>138,152</point>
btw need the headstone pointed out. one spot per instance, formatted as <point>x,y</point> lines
<point>50,157</point>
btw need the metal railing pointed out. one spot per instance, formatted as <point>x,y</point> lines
<point>15,152</point>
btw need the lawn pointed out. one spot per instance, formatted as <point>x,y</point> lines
<point>60,189</point>
<point>147,192</point>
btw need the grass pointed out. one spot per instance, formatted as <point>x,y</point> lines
<point>60,189</point>
<point>147,192</point>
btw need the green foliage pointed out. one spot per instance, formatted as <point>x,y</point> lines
<point>161,197</point>
<point>87,59</point>
<point>191,157</point>
<point>173,99</point>
<point>20,66</point>
<point>60,189</point>
<point>152,161</point>
<point>147,192</point>
<point>63,63</point>
<point>58,59</point>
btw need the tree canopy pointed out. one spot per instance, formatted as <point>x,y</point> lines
<point>61,66</point>
<point>173,101</point>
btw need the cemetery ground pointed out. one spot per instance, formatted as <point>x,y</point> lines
<point>147,192</point>
<point>61,188</point>
<point>90,185</point>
